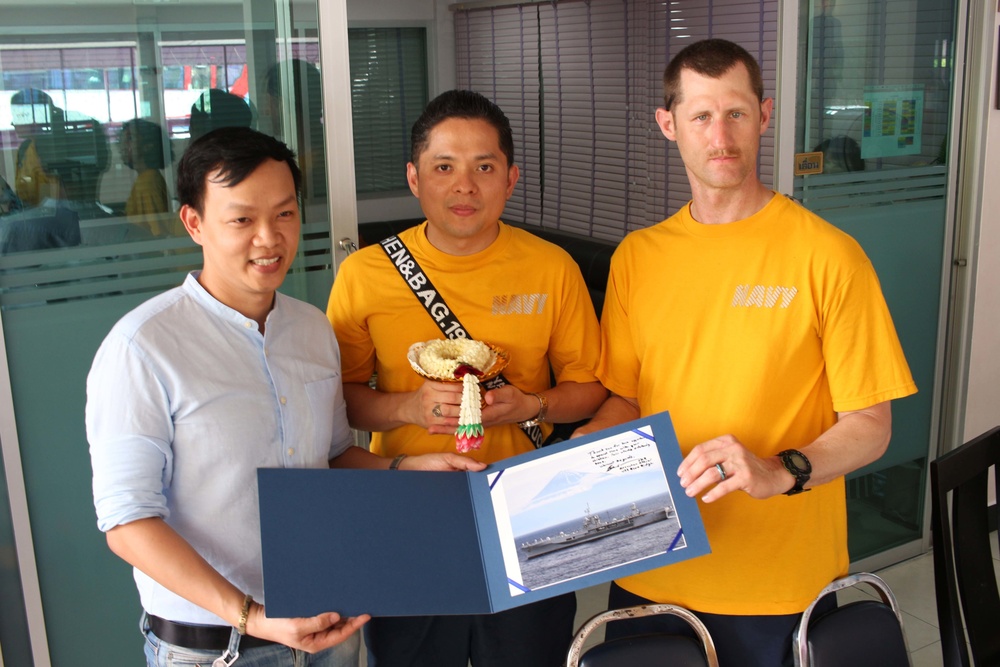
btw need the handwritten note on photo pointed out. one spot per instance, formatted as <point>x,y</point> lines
<point>584,510</point>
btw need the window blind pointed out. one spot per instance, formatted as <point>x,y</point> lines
<point>586,73</point>
<point>388,93</point>
<point>583,80</point>
<point>499,58</point>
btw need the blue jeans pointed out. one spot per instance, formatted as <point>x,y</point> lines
<point>161,654</point>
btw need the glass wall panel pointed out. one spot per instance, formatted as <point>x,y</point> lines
<point>875,97</point>
<point>97,102</point>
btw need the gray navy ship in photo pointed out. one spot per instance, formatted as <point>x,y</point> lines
<point>595,528</point>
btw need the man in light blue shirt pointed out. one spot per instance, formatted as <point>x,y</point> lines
<point>194,390</point>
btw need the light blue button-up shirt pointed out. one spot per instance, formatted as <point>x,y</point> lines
<point>185,400</point>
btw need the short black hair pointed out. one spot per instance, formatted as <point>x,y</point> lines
<point>234,152</point>
<point>464,104</point>
<point>216,108</point>
<point>305,86</point>
<point>148,138</point>
<point>711,58</point>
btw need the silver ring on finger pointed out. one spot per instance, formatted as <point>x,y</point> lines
<point>722,472</point>
<point>437,410</point>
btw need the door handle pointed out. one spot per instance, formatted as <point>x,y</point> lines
<point>347,244</point>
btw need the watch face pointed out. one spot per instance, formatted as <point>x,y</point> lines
<point>799,462</point>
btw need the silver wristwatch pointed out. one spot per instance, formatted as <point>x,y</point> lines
<point>543,408</point>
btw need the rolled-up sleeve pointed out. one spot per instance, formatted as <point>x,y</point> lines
<point>129,430</point>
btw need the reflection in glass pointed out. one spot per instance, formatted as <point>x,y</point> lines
<point>876,84</point>
<point>301,82</point>
<point>875,99</point>
<point>93,130</point>
<point>217,108</point>
<point>95,104</point>
<point>145,148</point>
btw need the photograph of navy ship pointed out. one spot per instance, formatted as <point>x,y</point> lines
<point>586,510</point>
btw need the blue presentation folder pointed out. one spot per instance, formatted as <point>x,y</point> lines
<point>402,543</point>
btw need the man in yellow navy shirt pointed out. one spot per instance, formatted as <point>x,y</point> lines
<point>504,286</point>
<point>763,330</point>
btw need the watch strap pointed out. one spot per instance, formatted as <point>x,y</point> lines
<point>800,473</point>
<point>543,410</point>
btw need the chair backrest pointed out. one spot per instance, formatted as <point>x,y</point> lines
<point>865,633</point>
<point>964,579</point>
<point>656,650</point>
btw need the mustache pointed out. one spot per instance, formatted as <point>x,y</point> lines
<point>723,152</point>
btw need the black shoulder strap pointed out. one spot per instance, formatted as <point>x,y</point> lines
<point>434,304</point>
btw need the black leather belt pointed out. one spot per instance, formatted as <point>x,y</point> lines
<point>200,637</point>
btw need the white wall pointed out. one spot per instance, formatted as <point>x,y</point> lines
<point>982,410</point>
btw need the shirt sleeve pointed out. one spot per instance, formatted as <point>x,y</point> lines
<point>357,349</point>
<point>863,355</point>
<point>575,344</point>
<point>618,368</point>
<point>129,430</point>
<point>343,439</point>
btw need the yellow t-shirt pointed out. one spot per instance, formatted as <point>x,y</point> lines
<point>763,328</point>
<point>148,201</point>
<point>521,293</point>
<point>32,183</point>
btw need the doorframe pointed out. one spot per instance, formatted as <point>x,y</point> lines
<point>976,145</point>
<point>17,496</point>
<point>786,96</point>
<point>338,126</point>
<point>966,412</point>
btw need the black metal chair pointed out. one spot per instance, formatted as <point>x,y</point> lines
<point>864,633</point>
<point>655,650</point>
<point>964,579</point>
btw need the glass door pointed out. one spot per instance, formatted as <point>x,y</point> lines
<point>96,104</point>
<point>876,88</point>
